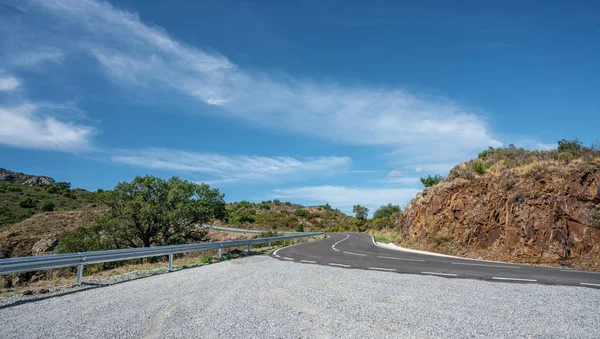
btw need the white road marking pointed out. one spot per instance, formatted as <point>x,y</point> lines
<point>286,258</point>
<point>340,265</point>
<point>573,271</point>
<point>277,255</point>
<point>505,266</point>
<point>437,273</point>
<point>513,279</point>
<point>382,269</point>
<point>588,284</point>
<point>382,257</point>
<point>362,255</point>
<point>333,246</point>
<point>308,261</point>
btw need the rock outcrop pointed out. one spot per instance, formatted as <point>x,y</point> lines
<point>26,179</point>
<point>544,213</point>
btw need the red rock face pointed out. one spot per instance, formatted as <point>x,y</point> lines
<point>546,217</point>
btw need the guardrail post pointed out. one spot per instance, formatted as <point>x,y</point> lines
<point>269,244</point>
<point>171,262</point>
<point>219,254</point>
<point>284,242</point>
<point>248,248</point>
<point>79,273</point>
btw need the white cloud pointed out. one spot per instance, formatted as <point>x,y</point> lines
<point>419,169</point>
<point>345,197</point>
<point>395,173</point>
<point>146,57</point>
<point>227,169</point>
<point>8,83</point>
<point>24,126</point>
<point>38,56</point>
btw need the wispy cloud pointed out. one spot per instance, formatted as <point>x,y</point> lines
<point>8,83</point>
<point>395,173</point>
<point>26,126</point>
<point>224,169</point>
<point>140,56</point>
<point>344,198</point>
<point>37,56</point>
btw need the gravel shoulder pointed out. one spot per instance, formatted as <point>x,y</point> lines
<point>263,297</point>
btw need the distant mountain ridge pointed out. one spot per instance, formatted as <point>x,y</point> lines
<point>25,179</point>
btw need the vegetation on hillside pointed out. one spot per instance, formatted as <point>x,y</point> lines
<point>19,201</point>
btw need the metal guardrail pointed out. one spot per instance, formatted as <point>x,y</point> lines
<point>46,262</point>
<point>241,230</point>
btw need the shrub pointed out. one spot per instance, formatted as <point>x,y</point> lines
<point>48,206</point>
<point>51,189</point>
<point>301,213</point>
<point>480,167</point>
<point>300,228</point>
<point>26,203</point>
<point>81,240</point>
<point>442,239</point>
<point>386,211</point>
<point>491,150</point>
<point>565,157</point>
<point>430,181</point>
<point>327,207</point>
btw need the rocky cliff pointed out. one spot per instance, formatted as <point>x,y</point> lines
<point>539,208</point>
<point>26,179</point>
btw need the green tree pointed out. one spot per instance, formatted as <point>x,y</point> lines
<point>571,146</point>
<point>430,181</point>
<point>152,211</point>
<point>386,211</point>
<point>361,212</point>
<point>48,206</point>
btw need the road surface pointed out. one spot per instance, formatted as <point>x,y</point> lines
<point>359,251</point>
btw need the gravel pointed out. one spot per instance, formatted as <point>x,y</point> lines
<point>267,298</point>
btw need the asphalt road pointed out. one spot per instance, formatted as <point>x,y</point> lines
<point>359,251</point>
<point>260,297</point>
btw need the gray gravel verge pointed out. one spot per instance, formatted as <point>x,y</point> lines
<point>267,298</point>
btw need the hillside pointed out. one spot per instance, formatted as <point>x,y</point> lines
<point>285,216</point>
<point>512,204</point>
<point>23,195</point>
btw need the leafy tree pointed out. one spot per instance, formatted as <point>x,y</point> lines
<point>327,207</point>
<point>571,146</point>
<point>430,181</point>
<point>386,211</point>
<point>361,212</point>
<point>152,211</point>
<point>26,203</point>
<point>48,206</point>
<point>63,185</point>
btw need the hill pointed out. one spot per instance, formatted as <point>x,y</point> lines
<point>515,205</point>
<point>285,216</point>
<point>23,195</point>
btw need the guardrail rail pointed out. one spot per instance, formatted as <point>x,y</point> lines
<point>46,262</point>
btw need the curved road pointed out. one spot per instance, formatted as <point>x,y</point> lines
<point>359,251</point>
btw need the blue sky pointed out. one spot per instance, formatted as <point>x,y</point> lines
<point>308,101</point>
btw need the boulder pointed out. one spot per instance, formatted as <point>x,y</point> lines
<point>44,245</point>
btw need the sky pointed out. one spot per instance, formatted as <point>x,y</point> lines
<point>339,102</point>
